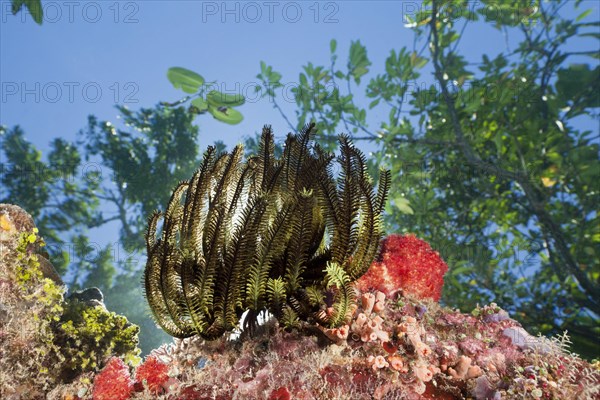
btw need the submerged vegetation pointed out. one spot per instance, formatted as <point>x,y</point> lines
<point>281,235</point>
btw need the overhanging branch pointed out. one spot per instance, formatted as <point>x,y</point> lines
<point>521,177</point>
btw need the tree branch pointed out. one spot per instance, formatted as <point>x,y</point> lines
<point>522,178</point>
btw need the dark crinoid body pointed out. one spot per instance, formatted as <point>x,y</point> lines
<point>281,235</point>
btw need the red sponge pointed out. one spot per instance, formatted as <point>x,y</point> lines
<point>113,382</point>
<point>408,263</point>
<point>154,374</point>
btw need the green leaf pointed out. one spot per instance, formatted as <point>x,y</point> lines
<point>333,45</point>
<point>303,80</point>
<point>374,103</point>
<point>226,114</point>
<point>579,83</point>
<point>417,62</point>
<point>359,71</point>
<point>35,8</point>
<point>498,142</point>
<point>583,15</point>
<point>403,205</point>
<point>274,77</point>
<point>184,79</point>
<point>16,5</point>
<point>358,63</point>
<point>200,104</point>
<point>217,99</point>
<point>392,115</point>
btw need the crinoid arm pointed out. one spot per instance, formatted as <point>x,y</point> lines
<point>268,234</point>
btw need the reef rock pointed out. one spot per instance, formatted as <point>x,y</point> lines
<point>14,221</point>
<point>47,340</point>
<point>398,344</point>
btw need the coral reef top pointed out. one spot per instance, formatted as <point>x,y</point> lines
<point>397,344</point>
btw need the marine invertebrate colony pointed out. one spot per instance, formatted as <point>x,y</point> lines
<point>408,264</point>
<point>269,234</point>
<point>113,382</point>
